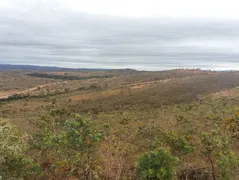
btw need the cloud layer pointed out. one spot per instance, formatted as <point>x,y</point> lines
<point>46,34</point>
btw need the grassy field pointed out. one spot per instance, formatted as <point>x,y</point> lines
<point>142,111</point>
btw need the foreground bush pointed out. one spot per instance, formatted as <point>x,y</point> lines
<point>13,163</point>
<point>158,164</point>
<point>216,147</point>
<point>178,144</point>
<point>228,164</point>
<point>74,145</point>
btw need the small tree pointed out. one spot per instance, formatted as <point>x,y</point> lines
<point>216,148</point>
<point>159,164</point>
<point>79,142</point>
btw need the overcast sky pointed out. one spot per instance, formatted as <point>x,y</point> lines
<point>139,34</point>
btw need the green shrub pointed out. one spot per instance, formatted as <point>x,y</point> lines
<point>158,164</point>
<point>179,145</point>
<point>185,124</point>
<point>19,167</point>
<point>12,143</point>
<point>215,146</point>
<point>228,164</point>
<point>13,163</point>
<point>74,143</point>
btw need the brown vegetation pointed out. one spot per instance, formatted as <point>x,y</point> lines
<point>137,106</point>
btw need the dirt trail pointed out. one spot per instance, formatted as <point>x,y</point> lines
<point>143,85</point>
<point>7,94</point>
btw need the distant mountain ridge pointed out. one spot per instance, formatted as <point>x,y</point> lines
<point>10,67</point>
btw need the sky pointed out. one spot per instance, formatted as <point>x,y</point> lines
<point>138,34</point>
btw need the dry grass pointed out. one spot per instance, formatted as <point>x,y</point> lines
<point>20,81</point>
<point>131,102</point>
<point>233,93</point>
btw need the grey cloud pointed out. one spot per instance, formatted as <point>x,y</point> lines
<point>62,37</point>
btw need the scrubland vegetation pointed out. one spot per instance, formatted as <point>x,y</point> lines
<point>181,124</point>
